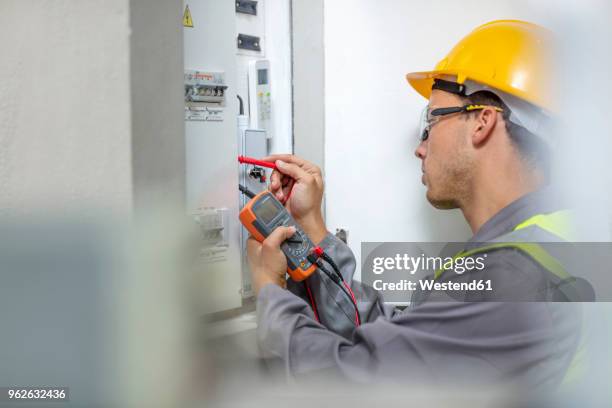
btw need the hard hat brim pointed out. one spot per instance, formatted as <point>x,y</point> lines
<point>423,81</point>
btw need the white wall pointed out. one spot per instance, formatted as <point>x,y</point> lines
<point>308,80</point>
<point>371,114</point>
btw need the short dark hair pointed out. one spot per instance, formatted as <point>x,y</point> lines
<point>530,147</point>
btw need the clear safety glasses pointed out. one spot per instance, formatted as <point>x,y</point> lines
<point>430,117</point>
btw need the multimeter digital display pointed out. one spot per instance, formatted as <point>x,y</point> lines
<point>262,215</point>
<point>266,211</point>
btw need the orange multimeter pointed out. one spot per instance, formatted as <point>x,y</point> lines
<point>262,215</point>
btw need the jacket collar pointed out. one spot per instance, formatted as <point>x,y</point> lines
<point>541,201</point>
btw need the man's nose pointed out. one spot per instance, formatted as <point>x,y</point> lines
<point>421,150</point>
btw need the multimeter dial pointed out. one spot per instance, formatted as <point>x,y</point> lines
<point>298,242</point>
<point>297,249</point>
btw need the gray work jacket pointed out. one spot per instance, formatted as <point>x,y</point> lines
<point>434,342</point>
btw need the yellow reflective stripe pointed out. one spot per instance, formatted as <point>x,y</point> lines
<point>476,107</point>
<point>558,223</point>
<point>535,251</point>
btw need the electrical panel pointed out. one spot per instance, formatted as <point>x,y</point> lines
<point>210,108</point>
<point>221,41</point>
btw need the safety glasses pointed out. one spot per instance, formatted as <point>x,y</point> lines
<point>430,117</point>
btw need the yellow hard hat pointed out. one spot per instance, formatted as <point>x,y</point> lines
<point>509,55</point>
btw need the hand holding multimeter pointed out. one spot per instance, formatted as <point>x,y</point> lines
<point>304,204</point>
<point>298,185</point>
<point>267,263</point>
<point>264,214</point>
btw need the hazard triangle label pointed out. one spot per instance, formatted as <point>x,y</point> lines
<point>187,20</point>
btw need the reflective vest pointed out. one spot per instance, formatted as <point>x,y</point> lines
<point>553,227</point>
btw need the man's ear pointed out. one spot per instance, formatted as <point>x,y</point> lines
<point>486,120</point>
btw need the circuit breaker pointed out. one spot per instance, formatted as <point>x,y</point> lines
<point>205,95</point>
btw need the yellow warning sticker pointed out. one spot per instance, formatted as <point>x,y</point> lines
<point>187,20</point>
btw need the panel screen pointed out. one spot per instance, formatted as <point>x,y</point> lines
<point>262,76</point>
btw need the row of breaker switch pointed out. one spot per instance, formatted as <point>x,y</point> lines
<point>205,91</point>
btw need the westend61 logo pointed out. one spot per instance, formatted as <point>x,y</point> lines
<point>413,264</point>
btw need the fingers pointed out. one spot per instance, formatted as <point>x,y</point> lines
<point>286,190</point>
<point>292,170</point>
<point>276,184</point>
<point>290,167</point>
<point>278,236</point>
<point>281,182</point>
<point>283,189</point>
<point>289,158</point>
<point>276,179</point>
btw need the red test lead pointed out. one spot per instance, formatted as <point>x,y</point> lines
<point>250,160</point>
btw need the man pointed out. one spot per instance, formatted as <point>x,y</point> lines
<point>483,150</point>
